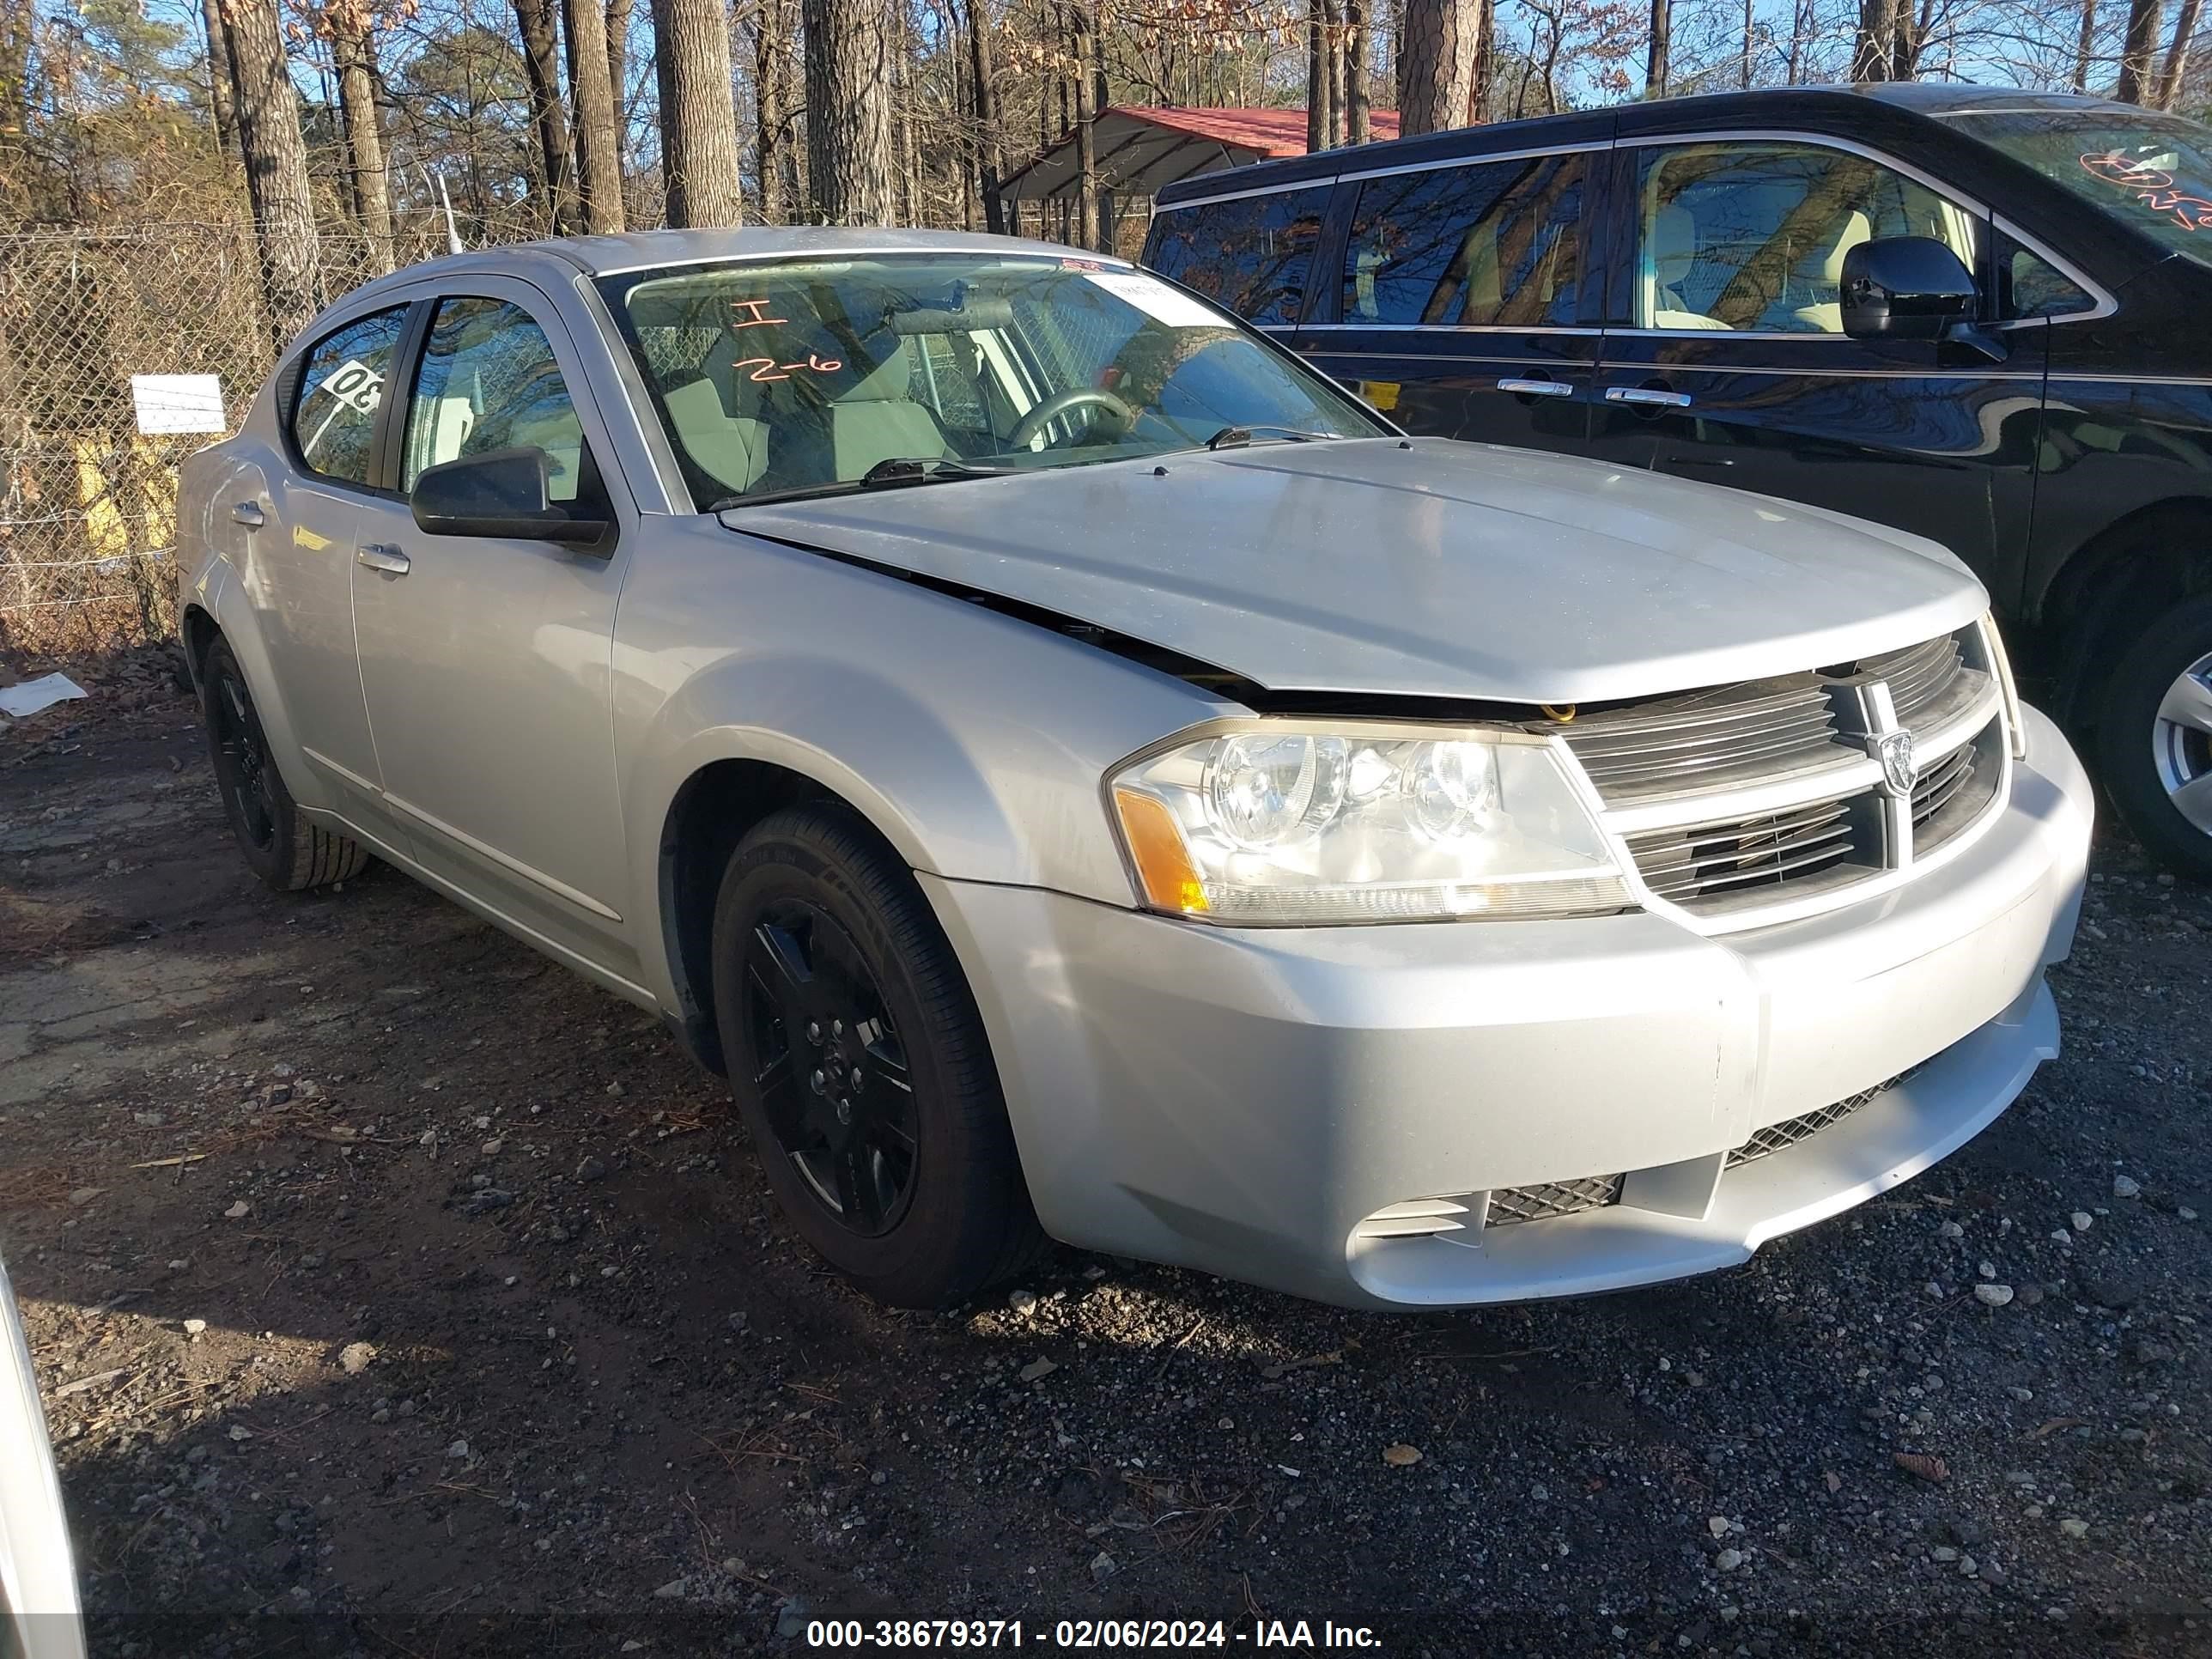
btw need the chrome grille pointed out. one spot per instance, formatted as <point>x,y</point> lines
<point>1781,1137</point>
<point>1508,1205</point>
<point>1703,860</point>
<point>1757,731</point>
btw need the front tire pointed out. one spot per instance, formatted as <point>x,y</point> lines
<point>281,844</point>
<point>860,1064</point>
<point>2154,739</point>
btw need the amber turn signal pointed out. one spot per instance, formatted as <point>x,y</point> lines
<point>1164,871</point>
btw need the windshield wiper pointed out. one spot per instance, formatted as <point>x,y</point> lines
<point>891,470</point>
<point>1237,437</point>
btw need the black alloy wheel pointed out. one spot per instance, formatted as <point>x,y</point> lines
<point>831,1073</point>
<point>282,845</point>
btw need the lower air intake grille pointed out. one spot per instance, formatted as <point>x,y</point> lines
<point>1781,1137</point>
<point>1508,1205</point>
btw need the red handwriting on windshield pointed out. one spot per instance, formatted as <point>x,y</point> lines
<point>738,320</point>
<point>2153,187</point>
<point>767,368</point>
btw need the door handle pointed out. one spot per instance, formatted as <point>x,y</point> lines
<point>248,513</point>
<point>1650,396</point>
<point>1537,388</point>
<point>390,560</point>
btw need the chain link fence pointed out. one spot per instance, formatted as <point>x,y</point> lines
<point>87,500</point>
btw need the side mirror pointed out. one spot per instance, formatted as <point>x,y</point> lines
<point>1906,287</point>
<point>500,492</point>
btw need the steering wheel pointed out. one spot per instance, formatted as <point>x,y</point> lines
<point>1026,429</point>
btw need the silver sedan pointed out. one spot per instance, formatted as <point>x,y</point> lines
<point>1079,773</point>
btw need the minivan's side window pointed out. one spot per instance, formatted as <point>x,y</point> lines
<point>333,418</point>
<point>1494,243</point>
<point>1250,253</point>
<point>488,382</point>
<point>1752,236</point>
<point>2029,285</point>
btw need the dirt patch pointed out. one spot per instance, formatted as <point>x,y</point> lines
<point>396,1292</point>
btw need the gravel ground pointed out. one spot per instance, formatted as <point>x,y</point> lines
<point>396,1292</point>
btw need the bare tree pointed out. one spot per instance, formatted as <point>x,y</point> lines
<point>1654,59</point>
<point>2139,56</point>
<point>698,113</point>
<point>1356,99</point>
<point>772,111</point>
<point>1320,101</point>
<point>2176,54</point>
<point>220,95</point>
<point>347,23</point>
<point>534,20</point>
<point>983,92</point>
<point>599,144</point>
<point>276,161</point>
<point>1750,55</point>
<point>848,118</point>
<point>1083,17</point>
<point>2085,50</point>
<point>617,26</point>
<point>1877,39</point>
<point>1437,56</point>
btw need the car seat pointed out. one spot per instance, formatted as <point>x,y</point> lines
<point>1670,258</point>
<point>716,420</point>
<point>876,417</point>
<point>1823,273</point>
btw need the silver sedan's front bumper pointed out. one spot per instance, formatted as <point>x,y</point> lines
<point>1274,1104</point>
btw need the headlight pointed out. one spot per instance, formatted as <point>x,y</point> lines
<point>1285,822</point>
<point>2002,664</point>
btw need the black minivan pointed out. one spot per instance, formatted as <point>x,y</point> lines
<point>1982,316</point>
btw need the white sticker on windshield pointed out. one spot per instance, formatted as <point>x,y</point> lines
<point>1155,299</point>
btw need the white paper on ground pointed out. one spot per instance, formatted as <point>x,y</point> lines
<point>1155,299</point>
<point>32,695</point>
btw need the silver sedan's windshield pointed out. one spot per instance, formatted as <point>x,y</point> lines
<point>822,374</point>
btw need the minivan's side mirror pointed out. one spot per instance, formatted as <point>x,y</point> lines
<point>1906,287</point>
<point>501,492</point>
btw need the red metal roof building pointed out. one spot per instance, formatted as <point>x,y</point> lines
<point>1141,148</point>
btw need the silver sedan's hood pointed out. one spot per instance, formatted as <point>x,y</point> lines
<point>1432,569</point>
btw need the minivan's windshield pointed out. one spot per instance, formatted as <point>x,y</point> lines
<point>820,375</point>
<point>2154,171</point>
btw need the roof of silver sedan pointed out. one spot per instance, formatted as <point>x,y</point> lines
<point>649,250</point>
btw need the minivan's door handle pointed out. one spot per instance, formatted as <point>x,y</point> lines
<point>390,560</point>
<point>1652,395</point>
<point>1537,388</point>
<point>248,513</point>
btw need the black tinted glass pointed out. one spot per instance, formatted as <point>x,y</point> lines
<point>334,411</point>
<point>1250,254</point>
<point>1486,244</point>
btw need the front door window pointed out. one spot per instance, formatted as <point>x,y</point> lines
<point>488,382</point>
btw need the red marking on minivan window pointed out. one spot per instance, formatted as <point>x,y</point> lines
<point>754,321</point>
<point>767,368</point>
<point>2153,187</point>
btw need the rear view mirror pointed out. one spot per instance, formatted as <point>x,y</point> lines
<point>1906,287</point>
<point>500,492</point>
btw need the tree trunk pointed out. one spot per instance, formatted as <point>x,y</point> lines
<point>848,118</point>
<point>1655,60</point>
<point>618,26</point>
<point>699,118</point>
<point>772,107</point>
<point>534,19</point>
<point>1437,58</point>
<point>1484,73</point>
<point>1318,100</point>
<point>1877,35</point>
<point>2177,55</point>
<point>219,93</point>
<point>1904,43</point>
<point>1801,26</point>
<point>1750,46</point>
<point>1088,228</point>
<point>1356,128</point>
<point>2085,48</point>
<point>990,157</point>
<point>276,161</point>
<point>372,192</point>
<point>2139,57</point>
<point>599,163</point>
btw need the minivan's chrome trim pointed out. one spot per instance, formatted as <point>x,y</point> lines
<point>1593,147</point>
<point>1319,181</point>
<point>1445,328</point>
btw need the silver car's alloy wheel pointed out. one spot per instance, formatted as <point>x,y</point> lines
<point>2181,743</point>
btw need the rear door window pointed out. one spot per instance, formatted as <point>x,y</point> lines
<point>1252,254</point>
<point>1495,244</point>
<point>333,418</point>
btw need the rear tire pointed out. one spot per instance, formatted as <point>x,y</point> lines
<point>860,1065</point>
<point>281,844</point>
<point>2154,739</point>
